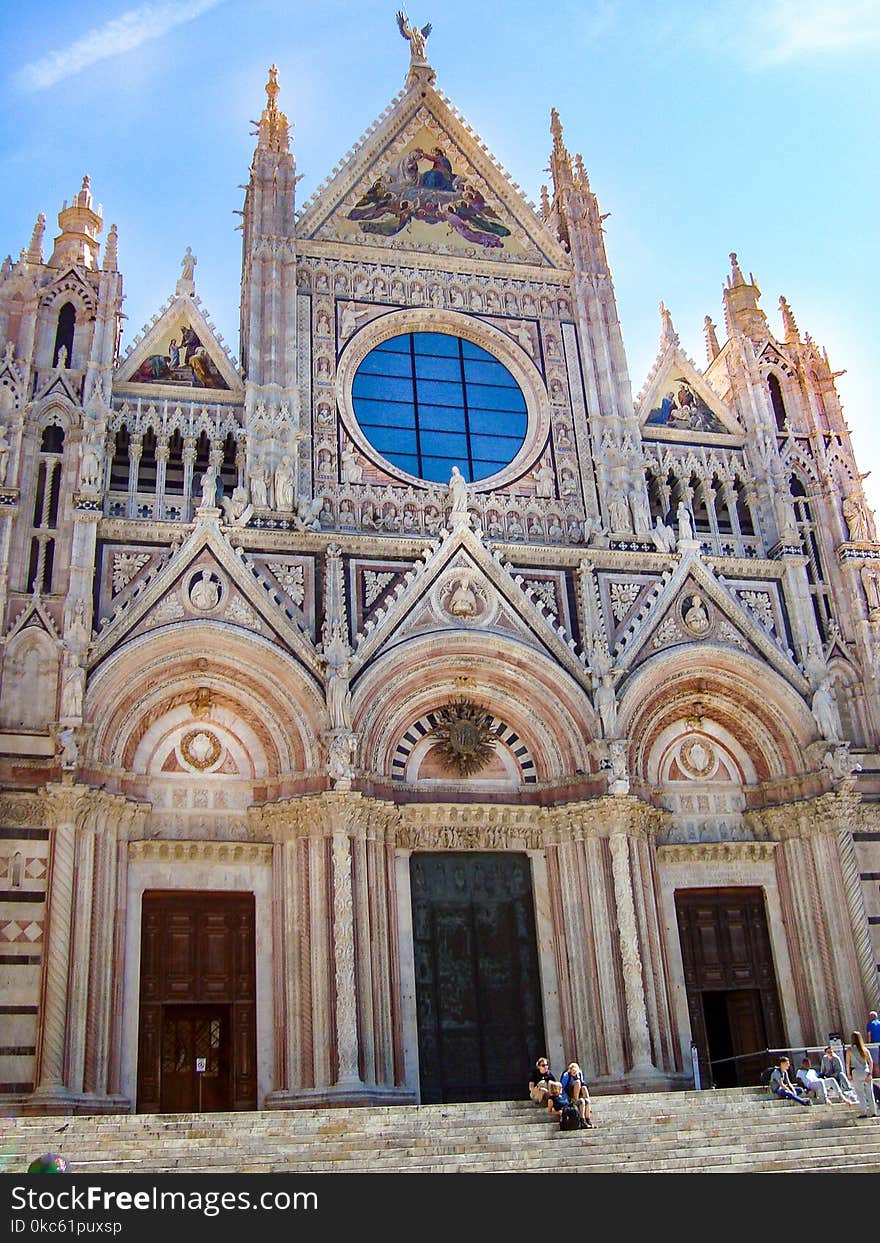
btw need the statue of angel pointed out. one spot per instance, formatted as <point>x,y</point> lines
<point>415,37</point>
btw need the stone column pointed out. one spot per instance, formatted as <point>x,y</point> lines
<point>336,963</point>
<point>64,806</point>
<point>636,1010</point>
<point>135,449</point>
<point>343,957</point>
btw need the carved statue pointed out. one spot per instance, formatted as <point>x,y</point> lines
<point>352,471</point>
<point>237,509</point>
<point>415,37</point>
<point>618,777</point>
<point>544,480</point>
<point>463,601</point>
<point>187,264</point>
<point>685,522</point>
<point>73,685</point>
<point>4,454</point>
<point>259,483</point>
<point>856,518</point>
<point>663,536</point>
<point>641,513</point>
<point>825,711</point>
<point>205,592</point>
<point>840,763</point>
<point>338,688</point>
<point>69,747</point>
<point>90,463</point>
<point>696,618</point>
<point>871,584</point>
<point>341,752</point>
<point>606,705</point>
<point>458,496</point>
<point>209,487</point>
<point>618,513</point>
<point>285,485</point>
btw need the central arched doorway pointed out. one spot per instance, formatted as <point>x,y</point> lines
<point>478,988</point>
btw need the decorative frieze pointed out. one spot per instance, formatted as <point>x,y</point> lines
<point>717,852</point>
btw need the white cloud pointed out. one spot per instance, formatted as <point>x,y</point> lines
<point>793,28</point>
<point>122,34</point>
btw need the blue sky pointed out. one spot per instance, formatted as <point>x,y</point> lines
<point>705,127</point>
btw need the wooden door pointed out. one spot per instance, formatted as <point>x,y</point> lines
<point>478,995</point>
<point>196,1061</point>
<point>732,995</point>
<point>198,991</point>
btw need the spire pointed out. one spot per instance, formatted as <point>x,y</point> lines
<point>736,277</point>
<point>741,304</point>
<point>581,172</point>
<point>80,225</point>
<point>668,335</point>
<point>545,203</point>
<point>713,349</point>
<point>35,250</point>
<point>111,250</point>
<point>792,335</point>
<point>273,129</point>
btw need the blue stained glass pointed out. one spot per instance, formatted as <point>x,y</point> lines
<point>442,418</point>
<point>428,401</point>
<point>431,367</point>
<point>435,343</point>
<point>446,444</point>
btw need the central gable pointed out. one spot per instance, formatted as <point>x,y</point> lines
<point>423,181</point>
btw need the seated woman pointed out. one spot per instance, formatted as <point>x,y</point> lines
<point>542,1082</point>
<point>574,1092</point>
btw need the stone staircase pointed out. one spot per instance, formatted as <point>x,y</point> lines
<point>738,1129</point>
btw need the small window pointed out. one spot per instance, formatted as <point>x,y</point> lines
<point>64,333</point>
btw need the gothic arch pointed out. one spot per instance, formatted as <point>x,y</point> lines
<point>766,722</point>
<point>269,711</point>
<point>518,685</point>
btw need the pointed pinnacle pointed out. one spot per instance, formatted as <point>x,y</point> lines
<point>792,335</point>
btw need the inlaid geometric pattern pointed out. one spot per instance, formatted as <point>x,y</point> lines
<point>24,930</point>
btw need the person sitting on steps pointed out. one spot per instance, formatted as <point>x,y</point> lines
<point>780,1084</point>
<point>574,1092</point>
<point>543,1084</point>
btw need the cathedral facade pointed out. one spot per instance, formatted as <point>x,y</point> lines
<point>407,700</point>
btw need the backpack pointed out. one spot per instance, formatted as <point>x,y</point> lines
<point>765,1076</point>
<point>570,1119</point>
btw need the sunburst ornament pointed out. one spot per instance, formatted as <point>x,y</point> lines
<point>464,738</point>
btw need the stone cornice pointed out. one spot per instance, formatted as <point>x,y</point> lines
<point>76,805</point>
<point>829,813</point>
<point>159,851</point>
<point>322,815</point>
<point>427,262</point>
<point>717,852</point>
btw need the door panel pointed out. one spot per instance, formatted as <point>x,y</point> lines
<point>197,992</point>
<point>478,992</point>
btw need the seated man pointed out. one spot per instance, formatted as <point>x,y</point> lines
<point>816,1087</point>
<point>780,1084</point>
<point>574,1092</point>
<point>542,1082</point>
<point>831,1067</point>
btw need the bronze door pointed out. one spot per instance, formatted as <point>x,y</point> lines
<point>732,995</point>
<point>196,1060</point>
<point>197,1001</point>
<point>478,993</point>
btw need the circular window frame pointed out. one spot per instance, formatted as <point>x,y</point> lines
<point>489,338</point>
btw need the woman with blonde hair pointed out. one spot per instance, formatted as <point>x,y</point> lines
<point>860,1069</point>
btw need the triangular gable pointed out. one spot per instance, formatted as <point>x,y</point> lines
<point>421,168</point>
<point>180,351</point>
<point>205,579</point>
<point>728,621</point>
<point>59,384</point>
<point>678,400</point>
<point>511,609</point>
<point>34,614</point>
